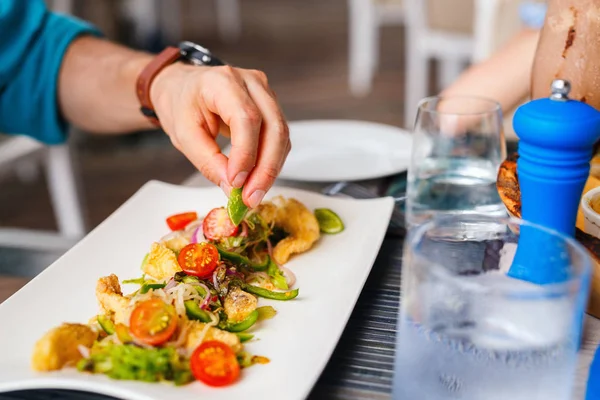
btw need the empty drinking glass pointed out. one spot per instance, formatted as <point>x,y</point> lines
<point>457,150</point>
<point>469,331</point>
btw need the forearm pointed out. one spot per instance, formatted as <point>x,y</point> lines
<point>96,87</point>
<point>504,77</point>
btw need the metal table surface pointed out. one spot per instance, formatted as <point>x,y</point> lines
<point>361,366</point>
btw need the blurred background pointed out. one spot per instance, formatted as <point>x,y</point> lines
<point>326,59</point>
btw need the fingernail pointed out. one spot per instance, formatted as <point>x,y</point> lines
<point>239,179</point>
<point>225,188</point>
<point>255,198</point>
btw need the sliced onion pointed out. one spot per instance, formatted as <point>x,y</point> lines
<point>260,277</point>
<point>215,281</point>
<point>270,249</point>
<point>194,231</point>
<point>206,300</point>
<point>197,236</point>
<point>172,283</point>
<point>84,351</point>
<point>290,277</point>
<point>171,235</point>
<point>182,337</point>
<point>232,272</point>
<point>244,229</point>
<point>191,227</point>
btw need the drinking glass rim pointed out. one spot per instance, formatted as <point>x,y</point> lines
<point>496,105</point>
<point>537,291</point>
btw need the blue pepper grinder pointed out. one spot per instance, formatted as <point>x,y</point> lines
<point>556,140</point>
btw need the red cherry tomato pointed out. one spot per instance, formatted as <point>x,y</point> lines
<point>215,364</point>
<point>199,259</point>
<point>153,321</point>
<point>179,221</point>
<point>217,225</point>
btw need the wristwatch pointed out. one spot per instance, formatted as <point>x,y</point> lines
<point>188,52</point>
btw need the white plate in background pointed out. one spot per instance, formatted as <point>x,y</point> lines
<point>345,150</point>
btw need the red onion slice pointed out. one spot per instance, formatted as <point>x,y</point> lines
<point>290,277</point>
<point>244,229</point>
<point>197,236</point>
<point>171,235</point>
<point>171,284</point>
<point>215,281</point>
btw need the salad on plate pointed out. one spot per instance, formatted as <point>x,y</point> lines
<point>190,313</point>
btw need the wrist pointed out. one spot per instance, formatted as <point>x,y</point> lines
<point>165,70</point>
<point>164,81</point>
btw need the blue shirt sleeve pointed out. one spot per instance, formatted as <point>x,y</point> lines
<point>33,42</point>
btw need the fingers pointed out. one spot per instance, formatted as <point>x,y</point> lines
<point>196,142</point>
<point>274,143</point>
<point>239,112</point>
<point>237,103</point>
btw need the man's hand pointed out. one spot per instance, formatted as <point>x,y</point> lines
<point>194,104</point>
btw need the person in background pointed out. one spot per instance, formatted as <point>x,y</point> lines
<point>56,70</point>
<point>506,75</point>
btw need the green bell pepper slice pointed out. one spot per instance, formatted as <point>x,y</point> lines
<point>244,337</point>
<point>268,294</point>
<point>106,324</point>
<point>245,324</point>
<point>240,259</point>
<point>147,286</point>
<point>193,311</point>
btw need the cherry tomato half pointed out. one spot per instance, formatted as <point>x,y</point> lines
<point>179,221</point>
<point>215,364</point>
<point>153,321</point>
<point>217,225</point>
<point>199,259</point>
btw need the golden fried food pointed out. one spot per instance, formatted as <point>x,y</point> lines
<point>59,347</point>
<point>509,191</point>
<point>161,263</point>
<point>199,333</point>
<point>111,299</point>
<point>296,220</point>
<point>239,305</point>
<point>508,185</point>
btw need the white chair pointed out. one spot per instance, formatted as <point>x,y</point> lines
<point>62,185</point>
<point>23,154</point>
<point>366,18</point>
<point>454,32</point>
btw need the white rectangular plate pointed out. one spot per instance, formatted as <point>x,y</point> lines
<point>298,341</point>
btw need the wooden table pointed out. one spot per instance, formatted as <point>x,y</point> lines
<point>362,364</point>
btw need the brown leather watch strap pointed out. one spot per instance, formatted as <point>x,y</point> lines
<point>167,57</point>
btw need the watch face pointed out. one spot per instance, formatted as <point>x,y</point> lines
<point>198,55</point>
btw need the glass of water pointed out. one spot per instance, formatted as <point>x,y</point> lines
<point>458,146</point>
<point>469,331</point>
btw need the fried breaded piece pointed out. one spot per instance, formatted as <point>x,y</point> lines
<point>195,332</point>
<point>238,304</point>
<point>176,243</point>
<point>58,347</point>
<point>111,299</point>
<point>507,184</point>
<point>296,220</point>
<point>161,263</point>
